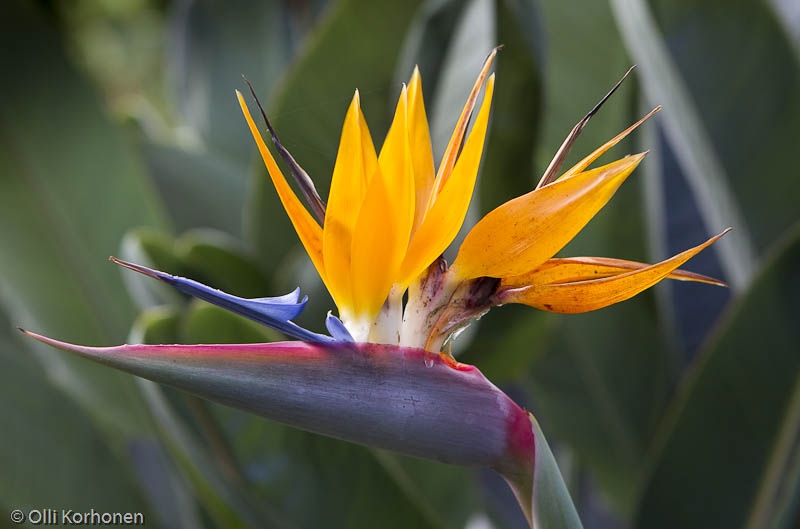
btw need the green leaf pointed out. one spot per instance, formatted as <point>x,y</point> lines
<point>538,485</point>
<point>507,167</point>
<point>551,504</point>
<point>43,432</point>
<point>211,45</point>
<point>204,323</point>
<point>216,258</point>
<point>749,102</point>
<point>719,156</point>
<point>601,388</point>
<point>71,187</point>
<point>154,249</point>
<point>201,190</point>
<point>731,437</point>
<point>355,46</point>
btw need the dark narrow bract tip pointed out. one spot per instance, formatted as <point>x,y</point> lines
<point>136,268</point>
<point>299,174</point>
<point>551,173</point>
<point>20,329</point>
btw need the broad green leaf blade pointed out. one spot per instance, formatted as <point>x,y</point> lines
<point>473,38</point>
<point>42,432</point>
<point>507,166</point>
<point>154,249</point>
<point>201,189</point>
<point>552,506</point>
<point>204,323</point>
<point>211,45</point>
<point>731,435</point>
<point>218,259</point>
<point>719,204</point>
<point>354,46</point>
<point>70,188</point>
<point>750,55</point>
<point>539,487</point>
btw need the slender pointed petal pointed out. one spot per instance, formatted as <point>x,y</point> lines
<point>451,153</point>
<point>356,163</point>
<point>381,233</point>
<point>337,329</point>
<point>301,177</point>
<point>380,396</point>
<point>445,217</point>
<point>572,269</point>
<point>592,294</point>
<point>272,312</point>
<point>551,173</point>
<point>586,162</point>
<point>307,229</point>
<point>524,232</point>
<point>421,152</point>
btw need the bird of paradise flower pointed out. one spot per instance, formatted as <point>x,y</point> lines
<point>381,377</point>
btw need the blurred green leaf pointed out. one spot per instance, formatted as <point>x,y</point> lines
<point>216,258</point>
<point>204,323</point>
<point>348,485</point>
<point>712,118</point>
<point>156,325</point>
<point>154,249</point>
<point>355,46</point>
<point>201,190</point>
<point>70,189</point>
<point>208,256</point>
<point>49,443</point>
<point>551,503</point>
<point>426,43</point>
<point>474,36</point>
<point>601,388</point>
<point>729,446</point>
<point>507,168</point>
<point>211,45</point>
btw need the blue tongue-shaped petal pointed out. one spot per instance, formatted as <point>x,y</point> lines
<point>272,312</point>
<point>337,329</point>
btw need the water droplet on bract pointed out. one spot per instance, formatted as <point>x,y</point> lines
<point>428,360</point>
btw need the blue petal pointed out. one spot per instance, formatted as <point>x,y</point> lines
<point>272,312</point>
<point>337,329</point>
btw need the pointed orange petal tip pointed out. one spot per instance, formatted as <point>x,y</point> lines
<point>587,161</point>
<point>523,233</point>
<point>585,295</point>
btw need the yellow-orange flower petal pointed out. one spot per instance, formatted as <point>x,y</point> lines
<point>521,234</point>
<point>592,294</point>
<point>444,218</point>
<point>381,234</point>
<point>597,153</point>
<point>419,139</point>
<point>356,163</point>
<point>572,269</point>
<point>309,232</point>
<point>451,153</point>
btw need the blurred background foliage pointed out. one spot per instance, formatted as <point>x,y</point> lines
<point>120,134</point>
